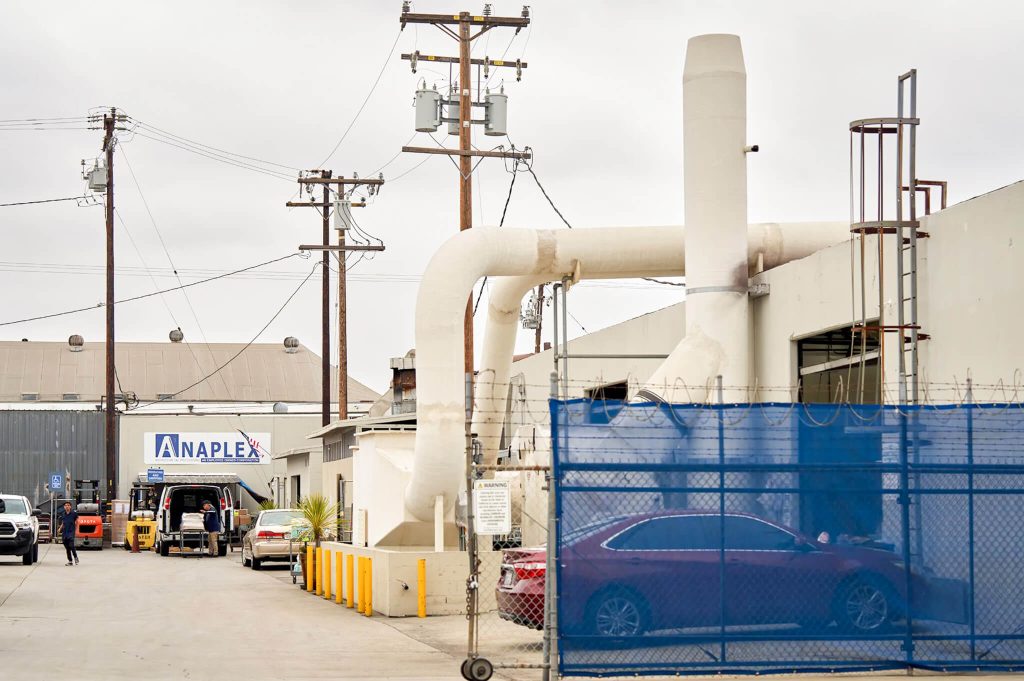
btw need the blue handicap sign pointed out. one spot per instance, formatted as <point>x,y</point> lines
<point>154,475</point>
<point>56,481</point>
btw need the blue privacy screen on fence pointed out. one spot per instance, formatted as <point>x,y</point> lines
<point>788,537</point>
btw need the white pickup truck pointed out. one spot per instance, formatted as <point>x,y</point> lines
<point>19,528</point>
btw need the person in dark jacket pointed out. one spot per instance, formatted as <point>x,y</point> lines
<point>211,522</point>
<point>68,523</point>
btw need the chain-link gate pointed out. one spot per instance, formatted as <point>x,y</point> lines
<point>760,538</point>
<point>507,587</point>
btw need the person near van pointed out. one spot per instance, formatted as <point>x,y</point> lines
<point>68,523</point>
<point>211,521</point>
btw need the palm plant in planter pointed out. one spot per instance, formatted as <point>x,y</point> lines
<point>319,522</point>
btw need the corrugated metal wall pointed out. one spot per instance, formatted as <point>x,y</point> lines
<point>34,444</point>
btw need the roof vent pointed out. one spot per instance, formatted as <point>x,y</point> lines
<point>291,345</point>
<point>176,336</point>
<point>76,342</point>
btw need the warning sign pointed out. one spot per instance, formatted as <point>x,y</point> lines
<point>492,506</point>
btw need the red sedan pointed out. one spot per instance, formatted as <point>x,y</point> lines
<point>626,576</point>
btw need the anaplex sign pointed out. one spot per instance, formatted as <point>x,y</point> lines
<point>200,448</point>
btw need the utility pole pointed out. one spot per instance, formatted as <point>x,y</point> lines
<point>110,425</point>
<point>327,206</point>
<point>465,22</point>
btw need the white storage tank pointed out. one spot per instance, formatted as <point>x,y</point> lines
<point>428,110</point>
<point>496,114</point>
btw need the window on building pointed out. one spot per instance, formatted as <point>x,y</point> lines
<point>296,489</point>
<point>840,365</point>
<point>610,391</point>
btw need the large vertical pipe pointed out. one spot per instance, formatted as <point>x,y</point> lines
<point>717,338</point>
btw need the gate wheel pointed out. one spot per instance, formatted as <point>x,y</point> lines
<point>465,669</point>
<point>480,669</point>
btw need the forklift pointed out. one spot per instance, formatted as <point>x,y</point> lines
<point>89,533</point>
<point>141,525</point>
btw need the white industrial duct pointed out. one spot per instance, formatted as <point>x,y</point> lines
<point>717,341</point>
<point>769,245</point>
<point>448,281</point>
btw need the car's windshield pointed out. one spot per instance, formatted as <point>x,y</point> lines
<point>279,517</point>
<point>15,506</point>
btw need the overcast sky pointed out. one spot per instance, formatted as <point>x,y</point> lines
<point>600,104</point>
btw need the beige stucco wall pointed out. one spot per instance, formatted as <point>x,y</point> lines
<point>393,570</point>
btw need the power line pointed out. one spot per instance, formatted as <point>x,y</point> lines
<point>217,371</point>
<point>29,203</point>
<point>149,295</point>
<point>153,128</point>
<point>215,157</point>
<point>365,100</point>
<point>541,187</point>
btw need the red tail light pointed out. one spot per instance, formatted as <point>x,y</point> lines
<point>167,503</point>
<point>223,504</point>
<point>265,534</point>
<point>529,570</point>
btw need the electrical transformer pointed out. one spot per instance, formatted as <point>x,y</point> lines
<point>428,110</point>
<point>496,114</point>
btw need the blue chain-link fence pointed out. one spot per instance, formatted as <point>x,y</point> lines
<point>788,537</point>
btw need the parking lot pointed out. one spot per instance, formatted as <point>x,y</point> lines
<point>125,616</point>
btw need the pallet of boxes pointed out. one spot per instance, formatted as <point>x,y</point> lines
<point>192,532</point>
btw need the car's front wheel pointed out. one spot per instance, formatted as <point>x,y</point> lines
<point>865,605</point>
<point>618,613</point>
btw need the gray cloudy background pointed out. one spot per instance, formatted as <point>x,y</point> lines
<point>600,104</point>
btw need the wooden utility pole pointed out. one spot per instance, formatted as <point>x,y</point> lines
<point>342,321</point>
<point>326,205</point>
<point>110,422</point>
<point>325,311</point>
<point>466,174</point>
<point>465,22</point>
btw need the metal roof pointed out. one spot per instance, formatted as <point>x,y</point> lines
<point>263,372</point>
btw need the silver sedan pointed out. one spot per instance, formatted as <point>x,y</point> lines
<point>268,538</point>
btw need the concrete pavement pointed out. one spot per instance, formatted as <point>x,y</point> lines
<point>123,616</point>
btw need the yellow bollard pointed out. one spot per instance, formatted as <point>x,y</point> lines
<point>421,585</point>
<point>337,577</point>
<point>319,588</point>
<point>327,574</point>
<point>369,588</point>
<point>310,569</point>
<point>361,604</point>
<point>349,579</point>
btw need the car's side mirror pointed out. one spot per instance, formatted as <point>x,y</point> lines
<point>36,512</point>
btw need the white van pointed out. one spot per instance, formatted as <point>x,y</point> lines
<point>178,499</point>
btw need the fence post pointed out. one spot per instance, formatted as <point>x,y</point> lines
<point>472,583</point>
<point>908,639</point>
<point>720,409</point>
<point>970,515</point>
<point>551,560</point>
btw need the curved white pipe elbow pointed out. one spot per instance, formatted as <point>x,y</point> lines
<point>439,460</point>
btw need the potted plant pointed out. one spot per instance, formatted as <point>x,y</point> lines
<point>319,522</point>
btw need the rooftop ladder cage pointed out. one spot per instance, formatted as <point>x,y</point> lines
<point>884,190</point>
